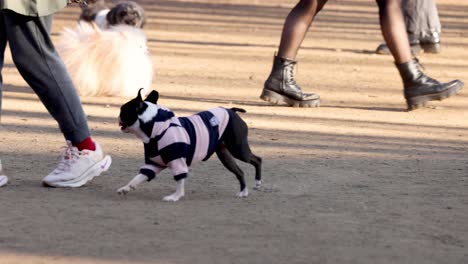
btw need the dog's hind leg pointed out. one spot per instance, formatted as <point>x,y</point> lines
<point>237,143</point>
<point>256,161</point>
<point>242,152</point>
<point>230,163</point>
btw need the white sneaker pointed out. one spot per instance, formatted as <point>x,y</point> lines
<point>78,167</point>
<point>3,178</point>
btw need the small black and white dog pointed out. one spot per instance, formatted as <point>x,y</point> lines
<point>106,15</point>
<point>177,143</point>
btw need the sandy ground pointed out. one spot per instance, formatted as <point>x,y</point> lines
<point>358,180</point>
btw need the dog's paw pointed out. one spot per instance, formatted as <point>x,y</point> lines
<point>124,190</point>
<point>244,193</point>
<point>172,198</point>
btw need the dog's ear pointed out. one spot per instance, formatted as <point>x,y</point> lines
<point>138,97</point>
<point>153,97</point>
<point>140,105</point>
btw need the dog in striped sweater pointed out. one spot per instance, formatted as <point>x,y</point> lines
<point>179,142</point>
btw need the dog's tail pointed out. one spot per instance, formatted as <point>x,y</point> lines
<point>235,109</point>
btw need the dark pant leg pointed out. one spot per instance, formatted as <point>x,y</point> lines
<point>41,67</point>
<point>3,42</point>
<point>421,17</point>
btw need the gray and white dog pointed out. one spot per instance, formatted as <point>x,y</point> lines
<point>106,14</point>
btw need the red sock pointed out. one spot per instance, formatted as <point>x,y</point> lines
<point>86,144</point>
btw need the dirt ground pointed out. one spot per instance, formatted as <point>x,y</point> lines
<point>358,180</point>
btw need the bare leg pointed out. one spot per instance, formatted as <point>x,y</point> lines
<point>394,30</point>
<point>280,86</point>
<point>422,25</point>
<point>418,87</point>
<point>296,26</point>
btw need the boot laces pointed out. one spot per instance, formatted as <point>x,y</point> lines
<point>290,73</point>
<point>427,78</point>
<point>419,63</point>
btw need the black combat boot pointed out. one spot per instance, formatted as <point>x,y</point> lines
<point>420,88</point>
<point>280,87</point>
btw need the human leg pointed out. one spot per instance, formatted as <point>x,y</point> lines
<point>422,25</point>
<point>280,87</point>
<point>37,61</point>
<point>3,42</point>
<point>428,27</point>
<point>296,25</point>
<point>418,87</point>
<point>421,17</point>
<point>393,29</point>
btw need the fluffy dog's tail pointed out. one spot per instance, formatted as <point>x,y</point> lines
<point>235,109</point>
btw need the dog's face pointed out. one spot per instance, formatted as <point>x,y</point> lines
<point>128,13</point>
<point>131,111</point>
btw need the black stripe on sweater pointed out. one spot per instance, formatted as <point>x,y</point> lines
<point>211,122</point>
<point>185,123</point>
<point>148,173</point>
<point>174,151</point>
<point>181,176</point>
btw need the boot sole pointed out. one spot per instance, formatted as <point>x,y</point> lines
<point>276,98</point>
<point>431,48</point>
<point>96,170</point>
<point>421,101</point>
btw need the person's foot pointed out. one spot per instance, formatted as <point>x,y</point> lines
<point>281,88</point>
<point>419,88</point>
<point>3,178</point>
<point>305,99</point>
<point>430,90</point>
<point>78,167</point>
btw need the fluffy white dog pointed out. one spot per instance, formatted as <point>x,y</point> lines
<point>106,62</point>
